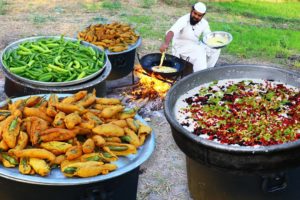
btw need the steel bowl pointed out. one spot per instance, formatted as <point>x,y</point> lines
<point>232,157</point>
<point>217,39</point>
<point>15,45</point>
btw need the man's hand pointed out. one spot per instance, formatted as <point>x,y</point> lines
<point>163,47</point>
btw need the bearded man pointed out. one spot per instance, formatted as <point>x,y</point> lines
<point>185,34</point>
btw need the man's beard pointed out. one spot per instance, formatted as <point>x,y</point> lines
<point>193,21</point>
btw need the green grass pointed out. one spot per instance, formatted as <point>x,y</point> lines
<point>3,7</point>
<point>250,41</point>
<point>112,5</point>
<point>279,12</point>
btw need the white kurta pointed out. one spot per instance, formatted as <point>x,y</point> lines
<point>186,43</point>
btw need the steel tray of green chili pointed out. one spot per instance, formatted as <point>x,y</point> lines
<point>53,60</point>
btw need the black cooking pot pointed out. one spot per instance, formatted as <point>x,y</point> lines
<point>150,60</point>
<point>229,157</point>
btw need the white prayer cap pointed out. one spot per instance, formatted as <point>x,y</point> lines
<point>200,7</point>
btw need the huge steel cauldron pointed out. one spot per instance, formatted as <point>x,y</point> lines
<point>261,170</point>
<point>232,157</point>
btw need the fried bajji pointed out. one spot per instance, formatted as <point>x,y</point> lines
<point>59,159</point>
<point>22,140</point>
<point>11,130</point>
<point>51,111</point>
<point>32,101</point>
<point>76,97</point>
<point>71,120</point>
<point>108,101</point>
<point>100,107</point>
<point>34,127</point>
<point>92,157</point>
<point>87,169</point>
<point>56,147</point>
<point>132,124</point>
<point>113,139</point>
<point>3,146</point>
<point>143,132</point>
<point>128,113</point>
<point>88,146</point>
<point>92,117</point>
<point>17,105</point>
<point>134,139</point>
<point>58,121</point>
<point>98,140</point>
<point>36,112</point>
<point>74,152</point>
<point>24,167</point>
<point>88,100</point>
<point>57,134</point>
<point>121,123</point>
<point>82,131</point>
<point>111,111</point>
<point>108,130</point>
<point>121,149</point>
<point>33,153</point>
<point>39,166</point>
<point>69,108</point>
<point>87,124</point>
<point>8,160</point>
<point>108,155</point>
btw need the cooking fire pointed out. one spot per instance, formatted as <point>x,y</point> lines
<point>150,85</point>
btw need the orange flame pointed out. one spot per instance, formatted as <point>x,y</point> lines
<point>151,85</point>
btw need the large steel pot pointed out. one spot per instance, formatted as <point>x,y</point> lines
<point>232,158</point>
<point>123,62</point>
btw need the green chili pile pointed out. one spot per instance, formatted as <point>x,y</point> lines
<point>53,60</point>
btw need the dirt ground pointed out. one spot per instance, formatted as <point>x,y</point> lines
<point>163,176</point>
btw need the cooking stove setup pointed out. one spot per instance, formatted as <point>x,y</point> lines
<point>214,170</point>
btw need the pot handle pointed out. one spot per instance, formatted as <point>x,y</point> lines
<point>187,59</point>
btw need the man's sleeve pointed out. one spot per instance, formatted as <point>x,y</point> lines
<point>206,29</point>
<point>178,26</point>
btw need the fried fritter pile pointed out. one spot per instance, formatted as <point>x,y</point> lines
<point>82,134</point>
<point>115,36</point>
